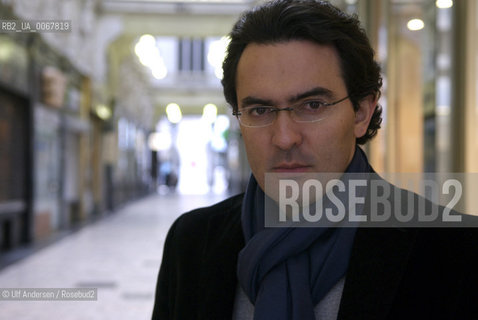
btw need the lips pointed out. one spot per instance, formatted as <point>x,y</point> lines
<point>290,167</point>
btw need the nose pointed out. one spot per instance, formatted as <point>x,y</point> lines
<point>286,133</point>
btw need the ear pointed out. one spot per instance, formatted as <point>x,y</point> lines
<point>363,115</point>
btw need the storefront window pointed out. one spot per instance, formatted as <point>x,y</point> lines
<point>14,62</point>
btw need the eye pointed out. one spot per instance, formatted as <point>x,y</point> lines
<point>258,111</point>
<point>312,105</point>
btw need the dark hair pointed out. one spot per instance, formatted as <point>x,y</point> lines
<point>316,21</point>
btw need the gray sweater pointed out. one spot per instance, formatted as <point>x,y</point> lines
<point>326,309</point>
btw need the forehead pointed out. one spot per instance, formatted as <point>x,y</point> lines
<point>287,68</point>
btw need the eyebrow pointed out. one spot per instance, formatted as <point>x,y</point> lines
<point>318,91</point>
<point>249,101</point>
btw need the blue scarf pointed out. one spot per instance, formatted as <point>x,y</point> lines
<point>285,272</point>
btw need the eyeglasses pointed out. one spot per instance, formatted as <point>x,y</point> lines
<point>304,111</point>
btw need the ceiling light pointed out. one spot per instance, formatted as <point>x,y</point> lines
<point>150,56</point>
<point>216,54</point>
<point>444,4</point>
<point>415,24</point>
<point>103,112</point>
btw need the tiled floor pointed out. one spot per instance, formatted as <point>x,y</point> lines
<point>120,255</point>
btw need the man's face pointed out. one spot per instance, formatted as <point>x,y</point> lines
<point>279,73</point>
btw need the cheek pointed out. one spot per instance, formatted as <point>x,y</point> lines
<point>246,137</point>
<point>255,145</point>
<point>332,139</point>
<point>338,131</point>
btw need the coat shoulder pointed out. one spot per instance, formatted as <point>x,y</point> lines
<point>192,238</point>
<point>198,220</point>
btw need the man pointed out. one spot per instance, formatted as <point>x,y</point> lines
<point>303,84</point>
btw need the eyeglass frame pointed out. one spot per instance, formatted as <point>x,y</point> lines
<point>238,113</point>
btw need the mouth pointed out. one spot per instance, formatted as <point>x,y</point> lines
<point>291,167</point>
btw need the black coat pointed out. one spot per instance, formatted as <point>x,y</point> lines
<point>393,273</point>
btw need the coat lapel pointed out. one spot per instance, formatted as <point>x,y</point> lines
<point>378,261</point>
<point>218,280</point>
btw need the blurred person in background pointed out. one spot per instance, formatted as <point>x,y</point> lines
<point>314,63</point>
